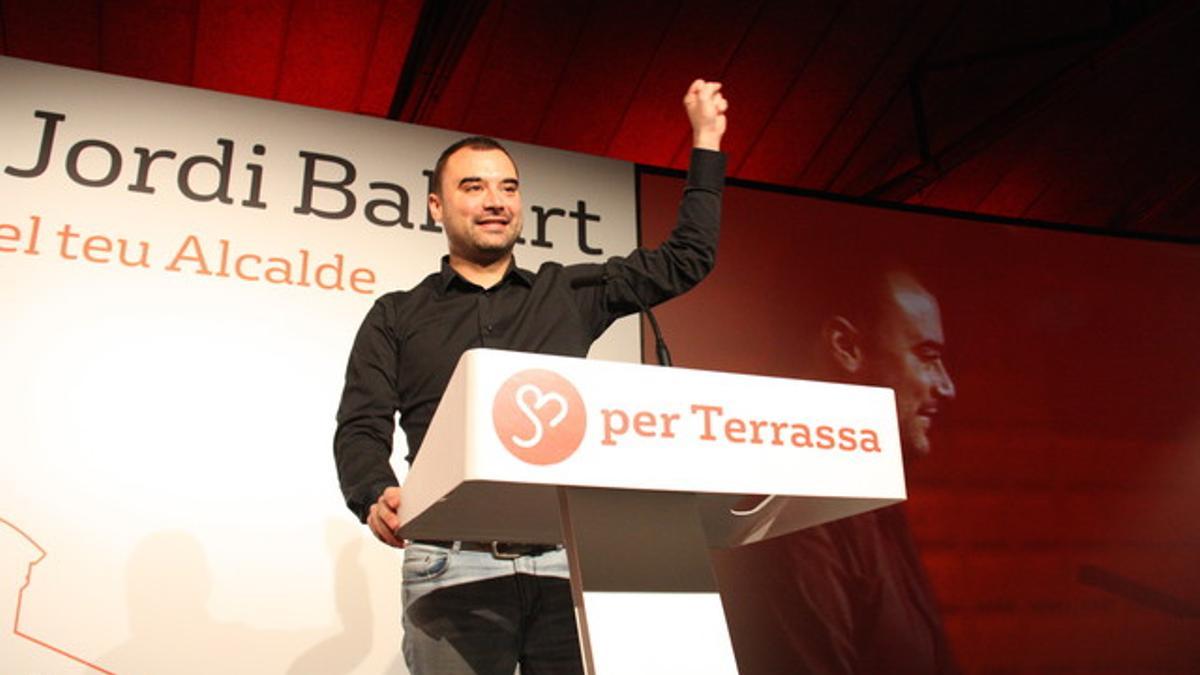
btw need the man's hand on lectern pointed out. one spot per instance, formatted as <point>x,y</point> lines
<point>383,518</point>
<point>706,111</point>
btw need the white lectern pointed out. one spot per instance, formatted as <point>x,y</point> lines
<point>639,470</point>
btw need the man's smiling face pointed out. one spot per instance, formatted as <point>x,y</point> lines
<point>905,353</point>
<point>478,204</point>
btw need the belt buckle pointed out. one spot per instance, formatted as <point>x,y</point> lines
<point>498,555</point>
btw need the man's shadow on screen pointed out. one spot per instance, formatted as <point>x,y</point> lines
<point>169,584</point>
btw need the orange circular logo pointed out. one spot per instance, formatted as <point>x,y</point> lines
<point>539,416</point>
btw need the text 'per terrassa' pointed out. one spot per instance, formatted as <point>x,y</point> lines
<point>711,423</point>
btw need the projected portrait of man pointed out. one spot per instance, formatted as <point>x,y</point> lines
<point>851,596</point>
<point>891,335</point>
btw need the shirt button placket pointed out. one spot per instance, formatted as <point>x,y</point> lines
<point>486,327</point>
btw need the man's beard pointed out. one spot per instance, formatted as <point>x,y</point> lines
<point>495,250</point>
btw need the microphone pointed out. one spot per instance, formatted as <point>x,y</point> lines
<point>601,277</point>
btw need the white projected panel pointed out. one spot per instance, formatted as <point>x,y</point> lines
<point>181,275</point>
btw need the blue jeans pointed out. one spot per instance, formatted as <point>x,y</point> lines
<point>468,612</point>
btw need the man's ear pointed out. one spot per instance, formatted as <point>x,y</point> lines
<point>843,342</point>
<point>435,207</point>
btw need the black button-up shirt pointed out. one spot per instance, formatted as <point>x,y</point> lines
<point>410,341</point>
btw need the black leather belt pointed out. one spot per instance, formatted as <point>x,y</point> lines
<point>500,550</point>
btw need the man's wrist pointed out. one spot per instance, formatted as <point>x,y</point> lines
<point>369,496</point>
<point>707,141</point>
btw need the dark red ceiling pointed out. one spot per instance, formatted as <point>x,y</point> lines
<point>1076,111</point>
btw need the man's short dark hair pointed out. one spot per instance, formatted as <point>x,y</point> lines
<point>472,142</point>
<point>852,275</point>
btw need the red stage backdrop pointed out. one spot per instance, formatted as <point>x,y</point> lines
<point>1051,522</point>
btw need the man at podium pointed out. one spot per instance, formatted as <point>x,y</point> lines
<point>485,607</point>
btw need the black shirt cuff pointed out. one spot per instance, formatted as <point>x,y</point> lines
<point>707,169</point>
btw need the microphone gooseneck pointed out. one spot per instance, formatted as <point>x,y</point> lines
<point>602,277</point>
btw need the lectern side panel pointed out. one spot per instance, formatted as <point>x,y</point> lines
<point>488,511</point>
<point>631,541</point>
<point>656,633</point>
<point>642,583</point>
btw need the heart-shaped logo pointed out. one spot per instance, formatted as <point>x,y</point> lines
<point>539,416</point>
<point>531,411</point>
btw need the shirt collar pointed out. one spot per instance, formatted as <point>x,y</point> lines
<point>512,274</point>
